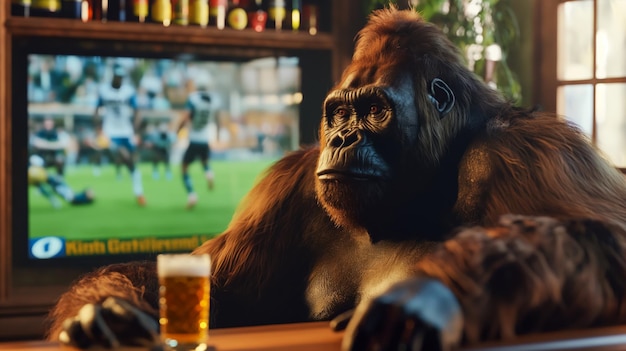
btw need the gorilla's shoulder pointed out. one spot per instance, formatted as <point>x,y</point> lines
<point>528,122</point>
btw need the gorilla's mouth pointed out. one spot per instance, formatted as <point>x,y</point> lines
<point>333,174</point>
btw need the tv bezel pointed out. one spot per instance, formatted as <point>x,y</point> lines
<point>62,270</point>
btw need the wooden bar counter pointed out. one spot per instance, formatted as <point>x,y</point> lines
<point>315,336</point>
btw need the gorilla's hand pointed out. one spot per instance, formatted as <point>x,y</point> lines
<point>113,323</point>
<point>417,314</point>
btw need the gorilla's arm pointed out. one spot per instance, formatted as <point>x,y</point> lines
<point>529,274</point>
<point>134,282</point>
<point>534,274</point>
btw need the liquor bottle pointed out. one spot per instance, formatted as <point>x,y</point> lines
<point>257,16</point>
<point>237,17</point>
<point>276,13</point>
<point>180,13</point>
<point>310,14</point>
<point>45,8</point>
<point>71,8</point>
<point>294,15</point>
<point>85,11</point>
<point>137,10</point>
<point>91,10</point>
<point>20,8</point>
<point>161,12</point>
<point>105,10</point>
<point>199,12</point>
<point>117,10</point>
<point>217,13</point>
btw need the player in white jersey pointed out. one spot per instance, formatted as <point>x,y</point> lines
<point>116,107</point>
<point>202,106</point>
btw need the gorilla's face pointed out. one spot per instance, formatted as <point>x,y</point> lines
<point>366,135</point>
<point>387,125</point>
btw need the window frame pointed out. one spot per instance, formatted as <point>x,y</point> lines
<point>547,83</point>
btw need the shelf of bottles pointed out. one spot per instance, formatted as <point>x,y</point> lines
<point>290,24</point>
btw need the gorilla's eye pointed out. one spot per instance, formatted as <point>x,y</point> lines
<point>375,109</point>
<point>341,112</point>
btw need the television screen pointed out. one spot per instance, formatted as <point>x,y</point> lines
<point>116,148</point>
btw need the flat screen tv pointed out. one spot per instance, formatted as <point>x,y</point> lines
<point>82,211</point>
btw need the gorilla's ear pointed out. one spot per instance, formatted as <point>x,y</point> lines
<point>441,96</point>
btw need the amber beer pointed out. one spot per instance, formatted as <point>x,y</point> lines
<point>184,292</point>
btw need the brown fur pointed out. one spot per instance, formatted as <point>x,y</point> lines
<point>537,164</point>
<point>534,275</point>
<point>235,254</point>
<point>135,282</point>
<point>283,259</point>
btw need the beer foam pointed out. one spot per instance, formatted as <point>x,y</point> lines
<point>183,265</point>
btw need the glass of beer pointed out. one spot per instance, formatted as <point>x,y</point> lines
<point>184,292</point>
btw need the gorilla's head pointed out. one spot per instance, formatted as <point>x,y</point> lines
<point>391,120</point>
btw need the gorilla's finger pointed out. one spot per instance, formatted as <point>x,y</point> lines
<point>411,333</point>
<point>381,326</point>
<point>95,326</point>
<point>436,307</point>
<point>414,335</point>
<point>393,324</point>
<point>360,328</point>
<point>124,317</point>
<point>417,341</point>
<point>417,336</point>
<point>119,308</point>
<point>341,321</point>
<point>73,334</point>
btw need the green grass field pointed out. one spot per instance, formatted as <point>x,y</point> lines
<point>115,213</point>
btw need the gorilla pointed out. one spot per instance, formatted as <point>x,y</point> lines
<point>403,210</point>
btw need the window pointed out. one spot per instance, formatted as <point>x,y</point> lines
<point>590,60</point>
